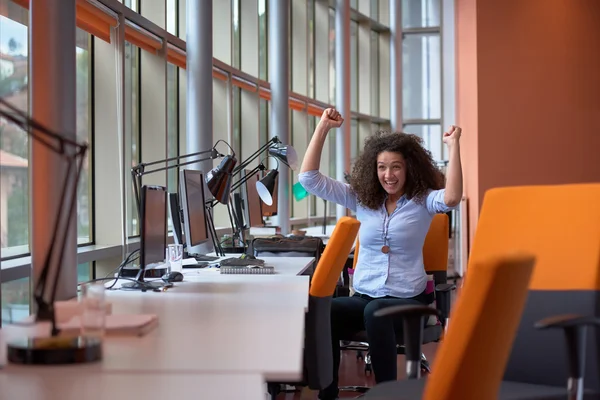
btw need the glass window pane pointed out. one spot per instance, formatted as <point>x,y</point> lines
<point>237,50</point>
<point>374,73</point>
<point>262,40</point>
<point>15,300</point>
<point>14,147</point>
<point>420,13</point>
<point>84,134</point>
<point>84,272</point>
<point>311,48</point>
<point>421,76</point>
<point>432,138</point>
<point>172,17</point>
<point>353,66</point>
<point>331,55</point>
<point>375,10</point>
<point>172,128</point>
<point>132,127</point>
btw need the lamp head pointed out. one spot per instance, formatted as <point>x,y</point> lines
<point>266,186</point>
<point>286,154</point>
<point>218,179</point>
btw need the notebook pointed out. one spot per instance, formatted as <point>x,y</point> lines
<point>248,269</point>
<point>116,325</point>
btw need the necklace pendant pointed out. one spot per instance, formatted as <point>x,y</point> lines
<point>385,249</point>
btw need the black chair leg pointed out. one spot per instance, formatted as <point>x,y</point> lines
<point>273,389</point>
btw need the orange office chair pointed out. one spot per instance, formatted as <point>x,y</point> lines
<point>318,363</point>
<point>435,259</point>
<point>560,226</point>
<point>484,325</point>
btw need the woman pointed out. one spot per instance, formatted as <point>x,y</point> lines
<point>395,189</point>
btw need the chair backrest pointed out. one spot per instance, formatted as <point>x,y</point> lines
<point>334,257</point>
<point>435,248</point>
<point>471,359</point>
<point>317,339</point>
<point>560,226</point>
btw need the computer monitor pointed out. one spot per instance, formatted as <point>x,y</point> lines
<point>254,212</point>
<point>175,214</point>
<point>194,209</point>
<point>153,235</point>
<point>271,210</point>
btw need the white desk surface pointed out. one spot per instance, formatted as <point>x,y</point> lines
<point>53,384</point>
<point>317,231</point>
<point>291,266</point>
<point>227,324</point>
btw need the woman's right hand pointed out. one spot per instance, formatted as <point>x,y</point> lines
<point>331,118</point>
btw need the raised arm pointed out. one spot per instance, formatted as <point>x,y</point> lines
<point>314,181</point>
<point>454,179</point>
<point>312,158</point>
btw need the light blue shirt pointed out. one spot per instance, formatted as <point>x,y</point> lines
<point>400,272</point>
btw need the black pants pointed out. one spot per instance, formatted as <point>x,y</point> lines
<point>350,315</point>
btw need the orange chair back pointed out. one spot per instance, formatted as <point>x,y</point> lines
<point>435,248</point>
<point>334,257</point>
<point>471,360</point>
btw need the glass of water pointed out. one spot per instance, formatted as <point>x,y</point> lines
<point>93,313</point>
<point>175,257</point>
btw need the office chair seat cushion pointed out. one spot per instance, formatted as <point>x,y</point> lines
<point>411,389</point>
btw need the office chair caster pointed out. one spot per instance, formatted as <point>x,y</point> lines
<point>368,366</point>
<point>425,368</point>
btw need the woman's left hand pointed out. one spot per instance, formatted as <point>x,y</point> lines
<point>452,135</point>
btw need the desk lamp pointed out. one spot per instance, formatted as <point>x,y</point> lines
<point>141,169</point>
<point>54,349</point>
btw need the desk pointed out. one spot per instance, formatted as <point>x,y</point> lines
<point>228,324</point>
<point>52,384</point>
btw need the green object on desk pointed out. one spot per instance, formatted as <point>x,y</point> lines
<point>299,191</point>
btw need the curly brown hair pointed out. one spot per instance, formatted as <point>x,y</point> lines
<point>422,174</point>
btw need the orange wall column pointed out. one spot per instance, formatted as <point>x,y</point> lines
<point>528,94</point>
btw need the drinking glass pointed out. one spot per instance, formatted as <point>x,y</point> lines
<point>93,314</point>
<point>175,257</point>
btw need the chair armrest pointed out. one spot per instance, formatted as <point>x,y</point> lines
<point>567,321</point>
<point>443,300</point>
<point>574,327</point>
<point>413,323</point>
<point>445,287</point>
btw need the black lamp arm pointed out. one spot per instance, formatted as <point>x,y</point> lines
<point>272,141</point>
<point>141,168</point>
<point>75,155</point>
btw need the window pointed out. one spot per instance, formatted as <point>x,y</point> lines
<point>15,300</point>
<point>14,144</point>
<point>172,16</point>
<point>420,13</point>
<point>422,72</point>
<point>354,66</point>
<point>132,127</point>
<point>84,134</point>
<point>421,76</point>
<point>172,124</point>
<point>263,49</point>
<point>236,61</point>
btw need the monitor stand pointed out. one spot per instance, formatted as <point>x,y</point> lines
<point>142,284</point>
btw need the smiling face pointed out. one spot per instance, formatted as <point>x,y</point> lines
<point>391,171</point>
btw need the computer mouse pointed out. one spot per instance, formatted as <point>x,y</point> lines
<point>173,276</point>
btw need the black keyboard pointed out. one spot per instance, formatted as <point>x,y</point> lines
<point>241,262</point>
<point>200,257</point>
